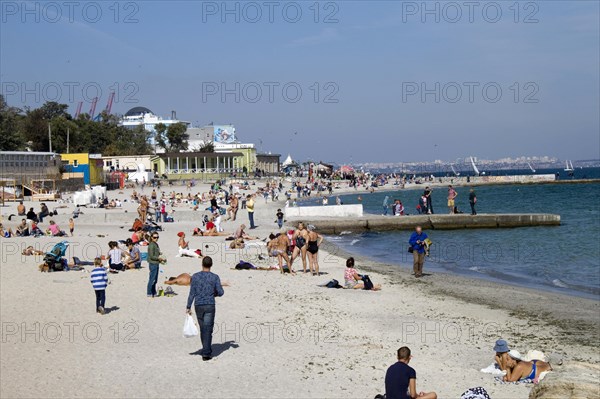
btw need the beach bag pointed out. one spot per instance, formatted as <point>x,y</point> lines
<point>410,249</point>
<point>189,327</point>
<point>333,284</point>
<point>367,282</point>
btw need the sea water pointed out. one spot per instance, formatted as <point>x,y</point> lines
<point>563,258</point>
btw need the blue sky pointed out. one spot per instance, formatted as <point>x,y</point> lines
<point>361,66</point>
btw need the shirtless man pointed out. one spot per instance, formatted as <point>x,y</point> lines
<point>241,233</point>
<point>233,207</point>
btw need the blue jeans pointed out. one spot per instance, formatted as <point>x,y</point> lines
<point>280,223</point>
<point>206,321</point>
<point>385,210</point>
<point>153,279</point>
<point>251,219</point>
<point>100,298</point>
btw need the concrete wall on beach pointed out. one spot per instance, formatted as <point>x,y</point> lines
<point>343,211</point>
<point>439,222</point>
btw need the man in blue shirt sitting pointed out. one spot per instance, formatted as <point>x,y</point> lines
<point>401,379</point>
<point>417,244</point>
<point>205,286</point>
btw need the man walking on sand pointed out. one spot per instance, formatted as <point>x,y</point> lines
<point>401,379</point>
<point>417,247</point>
<point>451,197</point>
<point>204,287</point>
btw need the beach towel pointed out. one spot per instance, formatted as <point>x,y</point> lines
<point>475,393</point>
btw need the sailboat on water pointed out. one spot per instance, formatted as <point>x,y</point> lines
<point>454,171</point>
<point>477,173</point>
<point>569,166</point>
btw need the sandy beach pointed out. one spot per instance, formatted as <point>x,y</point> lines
<point>276,336</point>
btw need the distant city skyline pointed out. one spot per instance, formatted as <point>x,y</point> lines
<point>345,82</point>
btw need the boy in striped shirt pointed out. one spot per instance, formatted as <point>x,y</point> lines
<point>99,279</point>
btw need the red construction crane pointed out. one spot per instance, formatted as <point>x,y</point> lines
<point>78,111</point>
<point>110,103</point>
<point>93,109</point>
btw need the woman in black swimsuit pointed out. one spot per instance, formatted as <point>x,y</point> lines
<point>314,241</point>
<point>299,238</point>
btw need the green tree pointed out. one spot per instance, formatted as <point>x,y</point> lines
<point>178,137</point>
<point>11,137</point>
<point>207,147</point>
<point>173,138</point>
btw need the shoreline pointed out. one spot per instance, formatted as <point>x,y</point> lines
<point>553,308</point>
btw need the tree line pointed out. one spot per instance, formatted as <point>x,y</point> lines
<point>27,129</point>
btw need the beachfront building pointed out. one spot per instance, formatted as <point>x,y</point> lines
<point>200,165</point>
<point>88,167</point>
<point>267,164</point>
<point>143,116</point>
<point>128,163</point>
<point>25,166</point>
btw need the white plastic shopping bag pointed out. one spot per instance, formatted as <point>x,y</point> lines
<point>189,327</point>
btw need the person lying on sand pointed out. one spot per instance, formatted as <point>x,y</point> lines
<point>185,279</point>
<point>210,231</point>
<point>353,280</point>
<point>501,348</point>
<point>30,251</point>
<point>518,369</point>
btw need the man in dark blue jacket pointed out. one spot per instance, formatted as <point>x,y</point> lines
<point>205,286</point>
<point>417,244</point>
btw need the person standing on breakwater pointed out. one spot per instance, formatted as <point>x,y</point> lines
<point>417,247</point>
<point>472,201</point>
<point>451,197</point>
<point>429,202</point>
<point>386,205</point>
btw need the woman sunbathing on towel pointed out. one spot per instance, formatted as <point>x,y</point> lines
<point>518,369</point>
<point>184,279</point>
<point>211,230</point>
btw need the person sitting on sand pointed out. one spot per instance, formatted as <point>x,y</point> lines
<point>23,229</point>
<point>518,369</point>
<point>115,256</point>
<point>21,210</point>
<point>353,280</point>
<point>137,225</point>
<point>241,233</point>
<point>184,247</point>
<point>135,257</point>
<point>501,348</point>
<point>31,215</point>
<point>401,379</point>
<point>277,246</point>
<point>55,230</point>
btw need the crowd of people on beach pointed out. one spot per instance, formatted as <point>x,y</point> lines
<point>222,204</point>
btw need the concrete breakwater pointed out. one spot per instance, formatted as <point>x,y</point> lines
<point>331,225</point>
